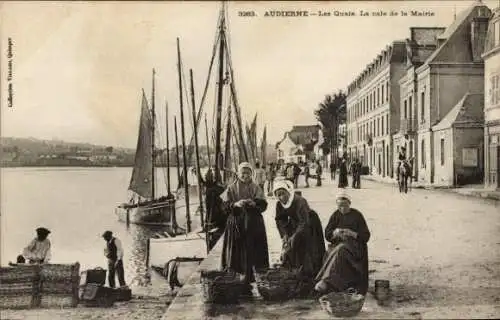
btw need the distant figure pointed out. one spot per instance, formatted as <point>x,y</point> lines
<point>356,174</point>
<point>319,172</point>
<point>38,250</point>
<point>259,176</point>
<point>401,159</point>
<point>114,252</point>
<point>333,168</point>
<point>270,176</point>
<point>307,173</point>
<point>343,173</point>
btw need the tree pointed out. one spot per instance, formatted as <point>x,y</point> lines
<point>331,113</point>
<point>109,149</point>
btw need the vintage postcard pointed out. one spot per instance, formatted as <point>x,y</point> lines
<point>249,159</point>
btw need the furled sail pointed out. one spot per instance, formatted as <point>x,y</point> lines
<point>141,181</point>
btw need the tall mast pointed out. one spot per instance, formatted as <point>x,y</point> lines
<point>168,151</point>
<point>183,136</point>
<point>218,127</point>
<point>227,154</point>
<point>153,117</point>
<point>197,154</point>
<point>208,142</point>
<point>178,161</point>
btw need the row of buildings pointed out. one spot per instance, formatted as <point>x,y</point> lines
<point>436,93</point>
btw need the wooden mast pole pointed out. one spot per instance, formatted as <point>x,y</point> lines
<point>208,143</point>
<point>169,191</point>
<point>178,161</point>
<point>218,127</point>
<point>183,137</point>
<point>197,154</point>
<point>153,117</point>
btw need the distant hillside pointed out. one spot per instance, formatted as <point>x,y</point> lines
<point>37,146</point>
<point>17,152</point>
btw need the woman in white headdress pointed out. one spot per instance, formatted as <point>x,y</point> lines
<point>245,240</point>
<point>346,261</point>
<point>300,230</point>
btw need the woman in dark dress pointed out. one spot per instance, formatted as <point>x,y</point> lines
<point>343,173</point>
<point>245,241</point>
<point>300,230</point>
<point>346,261</point>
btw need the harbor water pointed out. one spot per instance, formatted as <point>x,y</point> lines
<point>77,205</point>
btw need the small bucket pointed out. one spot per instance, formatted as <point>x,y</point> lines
<point>382,291</point>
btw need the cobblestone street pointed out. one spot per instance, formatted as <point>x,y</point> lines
<point>439,250</point>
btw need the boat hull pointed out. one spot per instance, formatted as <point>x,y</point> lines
<point>160,213</point>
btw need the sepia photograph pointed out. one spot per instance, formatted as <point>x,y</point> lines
<point>249,160</point>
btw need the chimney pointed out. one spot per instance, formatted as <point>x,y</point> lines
<point>479,30</point>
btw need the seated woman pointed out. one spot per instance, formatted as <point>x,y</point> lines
<point>38,250</point>
<point>300,229</point>
<point>346,261</point>
<point>245,241</point>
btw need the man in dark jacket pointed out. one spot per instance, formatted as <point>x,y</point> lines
<point>356,174</point>
<point>114,252</point>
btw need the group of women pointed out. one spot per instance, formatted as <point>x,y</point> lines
<point>245,249</point>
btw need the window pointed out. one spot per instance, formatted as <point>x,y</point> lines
<point>387,124</point>
<point>442,151</point>
<point>383,100</point>
<point>378,96</point>
<point>422,106</point>
<point>378,127</point>
<point>410,107</point>
<point>382,126</point>
<point>494,90</point>
<point>406,110</point>
<point>387,91</point>
<point>422,152</point>
<point>497,33</point>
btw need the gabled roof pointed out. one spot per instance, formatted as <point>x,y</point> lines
<point>460,20</point>
<point>469,110</point>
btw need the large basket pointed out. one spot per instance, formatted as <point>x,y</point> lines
<point>342,304</point>
<point>221,286</point>
<point>277,284</point>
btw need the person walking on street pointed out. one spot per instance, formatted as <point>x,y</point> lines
<point>114,252</point>
<point>270,176</point>
<point>306,173</point>
<point>343,173</point>
<point>333,168</point>
<point>356,174</point>
<point>319,172</point>
<point>259,176</point>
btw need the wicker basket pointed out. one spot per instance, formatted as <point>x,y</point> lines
<point>221,286</point>
<point>278,283</point>
<point>342,304</point>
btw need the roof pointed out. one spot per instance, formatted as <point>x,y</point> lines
<point>460,20</point>
<point>304,135</point>
<point>490,37</point>
<point>469,110</point>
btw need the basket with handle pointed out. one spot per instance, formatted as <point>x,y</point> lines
<point>221,286</point>
<point>276,284</point>
<point>343,304</point>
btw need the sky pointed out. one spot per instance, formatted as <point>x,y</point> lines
<point>78,68</point>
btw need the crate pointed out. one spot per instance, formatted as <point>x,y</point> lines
<point>39,286</point>
<point>96,275</point>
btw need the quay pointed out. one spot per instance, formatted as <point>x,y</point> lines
<point>439,250</point>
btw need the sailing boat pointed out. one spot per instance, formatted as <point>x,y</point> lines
<point>144,207</point>
<point>194,245</point>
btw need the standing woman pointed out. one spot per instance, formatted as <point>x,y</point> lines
<point>343,173</point>
<point>300,230</point>
<point>245,241</point>
<point>346,261</point>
